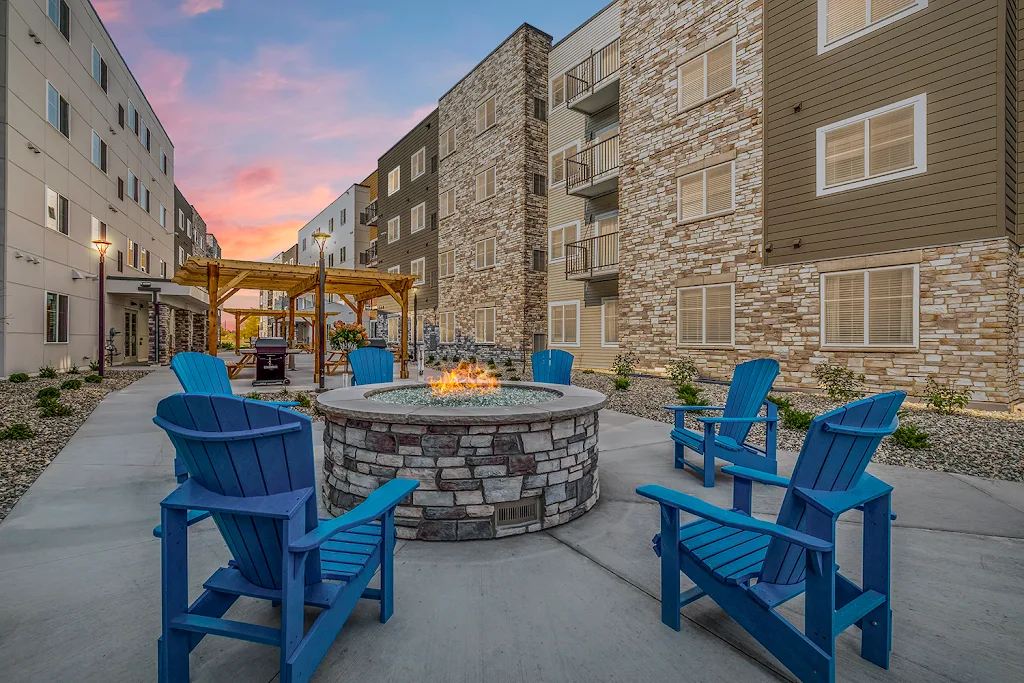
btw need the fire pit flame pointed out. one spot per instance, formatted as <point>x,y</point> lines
<point>466,379</point>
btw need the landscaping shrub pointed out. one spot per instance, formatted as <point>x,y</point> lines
<point>946,398</point>
<point>508,362</point>
<point>430,360</point>
<point>682,371</point>
<point>587,371</point>
<point>73,370</point>
<point>796,419</point>
<point>18,378</point>
<point>491,365</point>
<point>71,385</point>
<point>54,408</point>
<point>472,360</point>
<point>255,396</point>
<point>48,394</point>
<point>841,384</point>
<point>515,378</point>
<point>496,375</point>
<point>625,364</point>
<point>911,436</point>
<point>689,395</point>
<point>93,379</point>
<point>17,432</point>
<point>621,382</point>
<point>47,372</point>
<point>782,402</point>
<point>94,366</point>
<point>303,401</point>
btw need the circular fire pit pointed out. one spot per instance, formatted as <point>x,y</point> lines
<point>515,458</point>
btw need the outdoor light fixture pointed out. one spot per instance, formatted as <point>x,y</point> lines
<point>102,244</point>
<point>320,238</point>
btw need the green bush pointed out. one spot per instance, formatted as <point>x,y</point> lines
<point>71,385</point>
<point>946,398</point>
<point>689,395</point>
<point>94,366</point>
<point>303,401</point>
<point>54,408</point>
<point>491,365</point>
<point>49,393</point>
<point>93,379</point>
<point>227,346</point>
<point>782,402</point>
<point>73,370</point>
<point>587,371</point>
<point>625,363</point>
<point>47,372</point>
<point>515,378</point>
<point>508,362</point>
<point>430,360</point>
<point>620,382</point>
<point>796,419</point>
<point>18,378</point>
<point>841,384</point>
<point>255,396</point>
<point>682,371</point>
<point>911,436</point>
<point>496,375</point>
<point>17,432</point>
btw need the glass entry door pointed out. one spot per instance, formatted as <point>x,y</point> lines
<point>131,336</point>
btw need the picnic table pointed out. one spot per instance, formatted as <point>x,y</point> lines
<point>336,358</point>
<point>248,360</point>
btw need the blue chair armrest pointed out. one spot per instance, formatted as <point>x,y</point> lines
<point>837,502</point>
<point>192,496</point>
<point>381,501</point>
<point>706,420</point>
<point>755,475</point>
<point>734,520</point>
<point>244,435</point>
<point>686,408</point>
<point>285,404</point>
<point>193,517</point>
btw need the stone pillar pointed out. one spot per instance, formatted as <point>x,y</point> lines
<point>161,344</point>
<point>199,332</point>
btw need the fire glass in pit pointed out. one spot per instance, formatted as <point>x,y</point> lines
<point>499,396</point>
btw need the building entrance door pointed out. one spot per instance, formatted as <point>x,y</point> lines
<point>131,337</point>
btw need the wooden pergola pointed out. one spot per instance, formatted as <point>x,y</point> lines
<point>243,314</point>
<point>223,278</point>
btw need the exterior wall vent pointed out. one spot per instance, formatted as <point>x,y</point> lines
<point>517,512</point>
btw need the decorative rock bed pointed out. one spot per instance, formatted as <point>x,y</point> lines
<point>484,471</point>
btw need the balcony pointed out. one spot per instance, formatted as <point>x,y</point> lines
<point>369,217</point>
<point>368,258</point>
<point>593,84</point>
<point>594,258</point>
<point>594,171</point>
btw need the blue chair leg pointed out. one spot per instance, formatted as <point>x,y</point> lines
<point>174,644</point>
<point>680,455</point>
<point>670,567</point>
<point>292,596</point>
<point>876,627</point>
<point>709,467</point>
<point>387,567</point>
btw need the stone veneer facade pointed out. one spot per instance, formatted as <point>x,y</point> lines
<point>516,73</point>
<point>969,327</point>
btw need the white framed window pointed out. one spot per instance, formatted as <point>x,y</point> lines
<point>447,202</point>
<point>446,144</point>
<point>418,163</point>
<point>143,198</point>
<point>707,192</point>
<point>57,318</point>
<point>446,263</point>
<point>181,220</point>
<point>143,260</point>
<point>705,315</point>
<point>485,117</point>
<point>163,216</point>
<point>610,321</point>
<point>133,254</point>
<point>418,268</point>
<point>394,180</point>
<point>133,118</point>
<point>564,323</point>
<point>558,237</point>
<point>394,229</point>
<point>419,217</point>
<point>485,253</point>
<point>557,96</point>
<point>707,76</point>
<point>556,172</point>
<point>394,328</point>
<point>842,21</point>
<point>58,211</point>
<point>484,327</point>
<point>181,256</point>
<point>447,327</point>
<point>163,162</point>
<point>133,186</point>
<point>60,15</point>
<point>99,68</point>
<point>874,147</point>
<point>485,184</point>
<point>874,307</point>
<point>99,152</point>
<point>57,110</point>
<point>98,229</point>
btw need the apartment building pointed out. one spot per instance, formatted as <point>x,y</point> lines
<point>212,246</point>
<point>278,300</point>
<point>85,156</point>
<point>583,191</point>
<point>189,233</point>
<point>492,203</point>
<point>406,210</point>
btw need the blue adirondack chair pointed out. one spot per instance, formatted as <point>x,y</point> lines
<point>553,366</point>
<point>725,550</point>
<point>751,382</point>
<point>371,365</point>
<point>251,466</point>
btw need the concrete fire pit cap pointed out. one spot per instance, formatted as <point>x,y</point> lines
<point>351,403</point>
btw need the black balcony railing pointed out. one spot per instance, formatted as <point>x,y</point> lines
<point>592,257</point>
<point>369,217</point>
<point>593,163</point>
<point>369,256</point>
<point>590,74</point>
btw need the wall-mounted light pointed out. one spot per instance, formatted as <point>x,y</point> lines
<point>35,149</point>
<point>111,207</point>
<point>34,37</point>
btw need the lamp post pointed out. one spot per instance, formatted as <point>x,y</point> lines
<point>102,244</point>
<point>415,330</point>
<point>321,237</point>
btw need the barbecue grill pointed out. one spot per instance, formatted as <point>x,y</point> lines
<point>270,361</point>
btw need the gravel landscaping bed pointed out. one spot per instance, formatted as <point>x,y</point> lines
<point>23,460</point>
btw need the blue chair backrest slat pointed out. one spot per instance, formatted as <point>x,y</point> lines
<point>553,366</point>
<point>200,373</point>
<point>751,382</point>
<point>828,461</point>
<point>371,365</point>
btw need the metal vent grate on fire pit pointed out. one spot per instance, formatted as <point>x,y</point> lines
<point>517,512</point>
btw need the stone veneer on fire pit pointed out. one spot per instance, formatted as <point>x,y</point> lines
<point>468,460</point>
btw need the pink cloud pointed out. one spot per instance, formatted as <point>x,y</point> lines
<point>256,177</point>
<point>195,7</point>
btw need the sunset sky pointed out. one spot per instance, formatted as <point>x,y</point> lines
<point>275,108</point>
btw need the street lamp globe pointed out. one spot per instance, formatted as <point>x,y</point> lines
<point>321,237</point>
<point>101,245</point>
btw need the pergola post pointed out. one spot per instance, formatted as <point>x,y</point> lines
<point>212,329</point>
<point>359,312</point>
<point>403,347</point>
<point>291,322</point>
<point>238,334</point>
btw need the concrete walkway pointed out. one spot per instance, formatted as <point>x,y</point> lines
<point>80,580</point>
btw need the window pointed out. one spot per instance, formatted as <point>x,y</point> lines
<point>448,202</point>
<point>143,260</point>
<point>704,315</point>
<point>446,263</point>
<point>840,21</point>
<point>60,15</point>
<point>133,186</point>
<point>394,328</point>
<point>56,318</point>
<point>163,269</point>
<point>707,76</point>
<point>120,188</point>
<point>418,268</point>
<point>188,228</point>
<point>484,325</point>
<point>419,217</point>
<point>394,180</point>
<point>563,323</point>
<point>99,69</point>
<point>395,270</point>
<point>875,147</point>
<point>57,111</point>
<point>163,162</point>
<point>705,193</point>
<point>145,136</point>
<point>181,256</point>
<point>343,217</point>
<point>876,307</point>
<point>143,196</point>
<point>558,237</point>
<point>485,184</point>
<point>163,217</point>
<point>330,260</point>
<point>99,152</point>
<point>394,229</point>
<point>57,212</point>
<point>557,90</point>
<point>447,142</point>
<point>98,229</point>
<point>557,171</point>
<point>433,221</point>
<point>485,115</point>
<point>448,327</point>
<point>539,264</point>
<point>540,109</point>
<point>485,253</point>
<point>133,254</point>
<point>540,184</point>
<point>181,222</point>
<point>120,115</point>
<point>418,163</point>
<point>343,255</point>
<point>133,118</point>
<point>303,244</point>
<point>610,321</point>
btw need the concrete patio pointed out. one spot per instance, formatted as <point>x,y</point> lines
<point>80,580</point>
